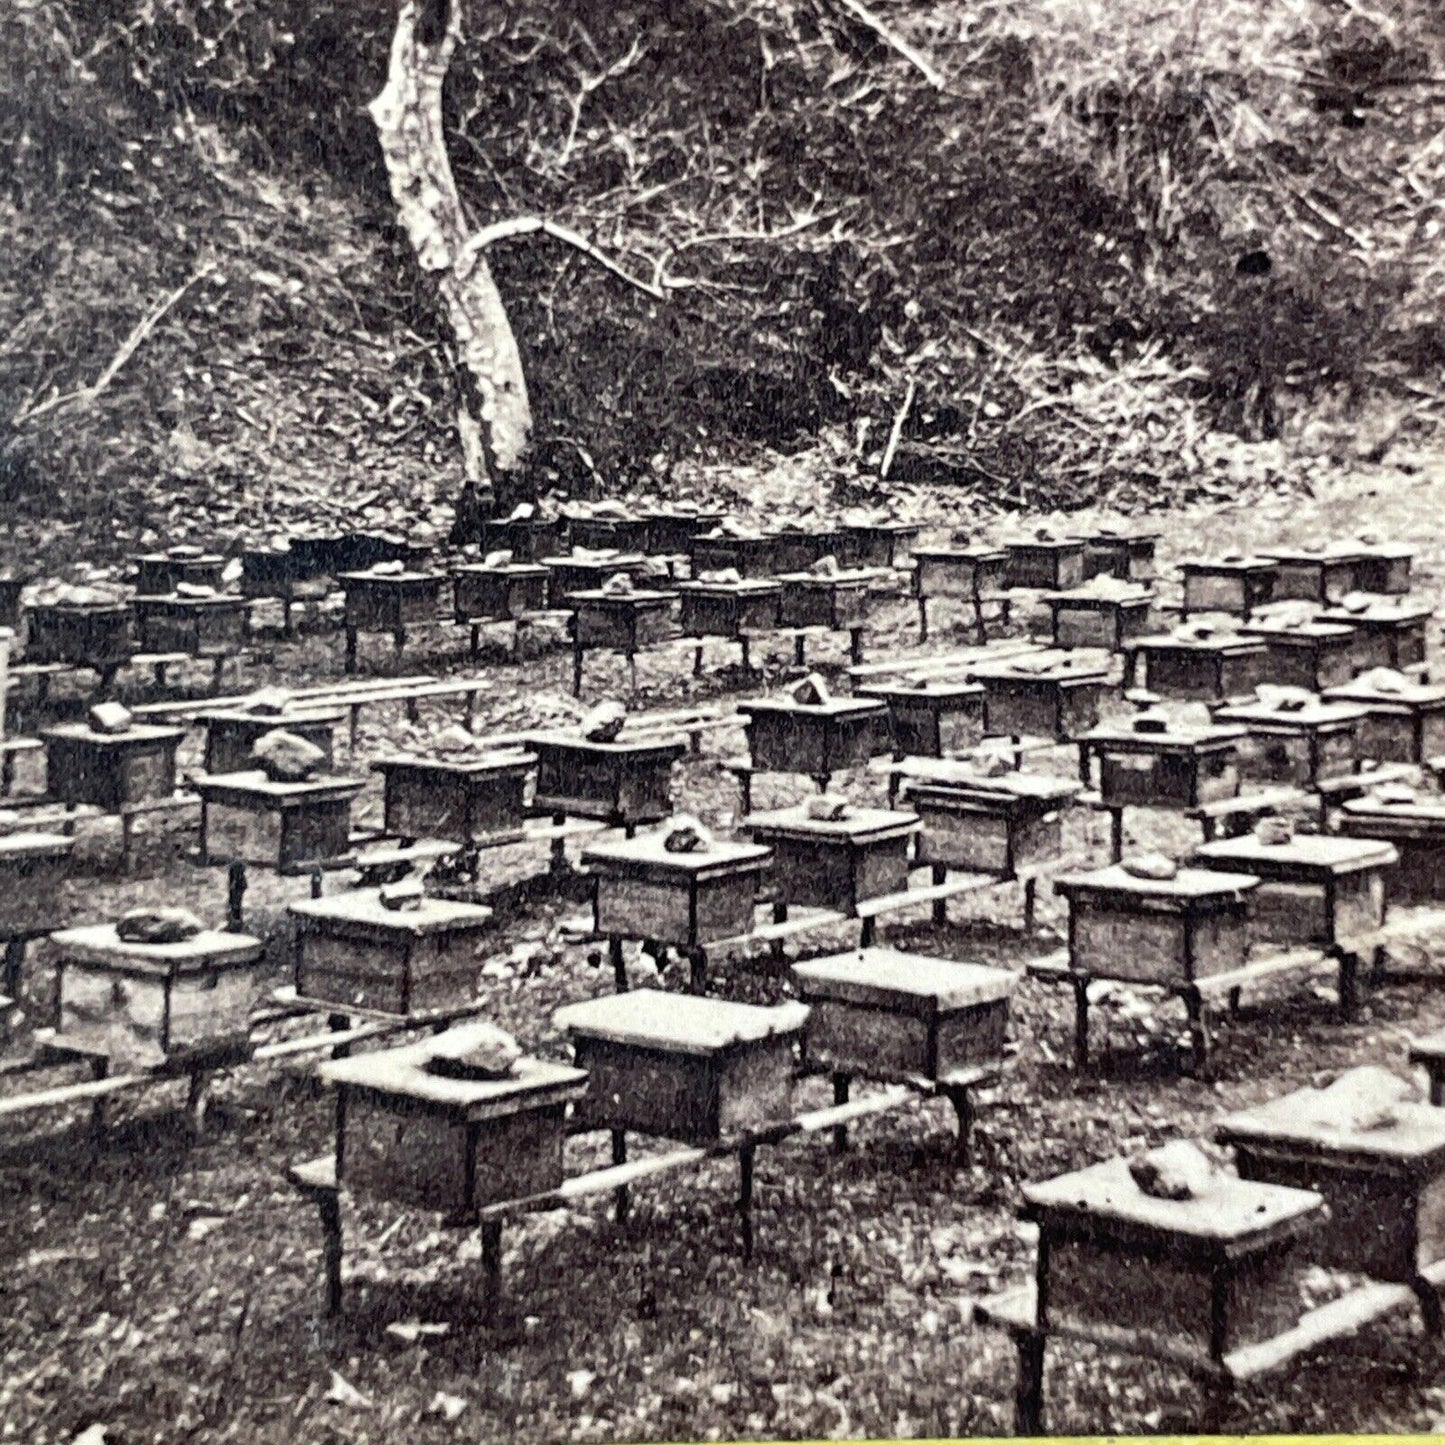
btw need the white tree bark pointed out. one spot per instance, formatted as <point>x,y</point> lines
<point>495,417</point>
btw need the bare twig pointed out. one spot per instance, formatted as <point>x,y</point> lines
<point>890,37</point>
<point>128,348</point>
<point>530,226</point>
<point>895,433</point>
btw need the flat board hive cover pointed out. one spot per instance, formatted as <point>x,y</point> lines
<point>1304,855</point>
<point>656,749</point>
<point>1228,644</point>
<point>461,764</point>
<point>1418,818</point>
<point>390,579</point>
<point>100,944</point>
<point>364,913</point>
<point>638,598</point>
<point>933,689</point>
<point>743,587</point>
<point>136,735</point>
<point>859,825</point>
<point>679,1023</point>
<point>1232,1218</point>
<point>1380,613</point>
<point>21,847</point>
<point>401,1074</point>
<point>913,983</point>
<point>1229,566</point>
<point>837,707</point>
<point>1316,715</point>
<point>648,854</point>
<point>1179,738</point>
<point>253,786</point>
<point>967,783</point>
<point>1414,1141</point>
<point>1407,694</point>
<point>1189,885</point>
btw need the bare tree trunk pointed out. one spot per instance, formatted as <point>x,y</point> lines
<point>494,418</point>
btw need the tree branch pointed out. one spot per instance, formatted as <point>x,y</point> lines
<point>530,226</point>
<point>891,38</point>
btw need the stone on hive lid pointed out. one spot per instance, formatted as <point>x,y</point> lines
<point>1151,865</point>
<point>1284,699</point>
<point>1356,602</point>
<point>686,834</point>
<point>618,585</point>
<point>610,508</point>
<point>1394,794</point>
<point>1177,1170</point>
<point>184,552</point>
<point>1151,722</point>
<point>594,554</point>
<point>827,808</point>
<point>499,558</point>
<point>604,722</point>
<point>1274,832</point>
<point>110,718</point>
<point>387,569</point>
<point>405,896</point>
<point>522,512</point>
<point>158,925</point>
<point>725,576</point>
<point>194,589</point>
<point>653,568</point>
<point>454,738</point>
<point>826,567</point>
<point>1382,680</point>
<point>285,757</point>
<point>731,527</point>
<point>1359,1100</point>
<point>812,691</point>
<point>268,701</point>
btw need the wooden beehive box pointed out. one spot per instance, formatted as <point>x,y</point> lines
<point>248,818</point>
<point>1384,1187</point>
<point>1166,931</point>
<point>835,863</point>
<point>1237,585</point>
<point>1177,767</point>
<point>1390,632</point>
<point>231,733</point>
<point>626,621</point>
<point>1040,696</point>
<point>817,739</point>
<point>477,797</point>
<point>359,551</point>
<point>876,544</point>
<point>427,1141</point>
<point>354,952</point>
<point>930,718</point>
<point>1404,721</point>
<point>621,783</point>
<point>1416,831</point>
<point>1086,618</point>
<point>389,603</point>
<point>1008,826</point>
<point>670,534</point>
<point>796,549</point>
<point>1314,655</point>
<point>498,593</point>
<point>200,626</point>
<point>158,573</point>
<point>1301,745</point>
<point>837,603</point>
<point>1054,564</point>
<point>1126,555</point>
<point>748,556</point>
<point>1313,889</point>
<point>729,609</point>
<point>315,557</point>
<point>32,868</point>
<point>574,573</point>
<point>1313,574</point>
<point>269,573</point>
<point>683,900</point>
<point>1384,567</point>
<point>1202,668</point>
<point>1194,1279</point>
<point>112,771</point>
<point>151,1003</point>
<point>94,635</point>
<point>680,1067</point>
<point>612,533</point>
<point>528,539</point>
<point>884,1014</point>
<point>968,572</point>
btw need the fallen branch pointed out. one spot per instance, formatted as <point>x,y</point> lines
<point>530,226</point>
<point>128,348</point>
<point>895,433</point>
<point>894,41</point>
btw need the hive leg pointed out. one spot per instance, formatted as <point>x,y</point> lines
<point>841,1084</point>
<point>1081,1023</point>
<point>745,1197</point>
<point>14,967</point>
<point>328,1207</point>
<point>1029,1390</point>
<point>621,1199</point>
<point>491,1269</point>
<point>961,1097</point>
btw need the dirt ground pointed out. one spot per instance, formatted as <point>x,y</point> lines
<point>168,1288</point>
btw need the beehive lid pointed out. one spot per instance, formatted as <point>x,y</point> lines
<point>957,776</point>
<point>678,1022</point>
<point>1234,1216</point>
<point>402,1073</point>
<point>639,596</point>
<point>135,733</point>
<point>511,569</point>
<point>15,847</point>
<point>391,577</point>
<point>1309,853</point>
<point>1381,610</point>
<point>885,526</point>
<point>1082,665</point>
<point>435,915</point>
<point>252,784</point>
<point>99,943</point>
<point>1187,886</point>
<point>1303,556</point>
<point>1429,812</point>
<point>1230,642</point>
<point>1228,564</point>
<point>851,577</point>
<point>460,764</point>
<point>1306,630</point>
<point>911,983</point>
<point>928,689</point>
<point>978,553</point>
<point>1124,594</point>
<point>287,717</point>
<point>1106,535</point>
<point>613,561</point>
<point>647,853</point>
<point>1043,544</point>
<point>204,559</point>
<point>179,602</point>
<point>1178,737</point>
<point>860,825</point>
<point>834,707</point>
<point>755,586</point>
<point>1314,714</point>
<point>1409,693</point>
<point>623,747</point>
<point>1416,1138</point>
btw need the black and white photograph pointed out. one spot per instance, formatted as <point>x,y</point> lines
<point>721,720</point>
